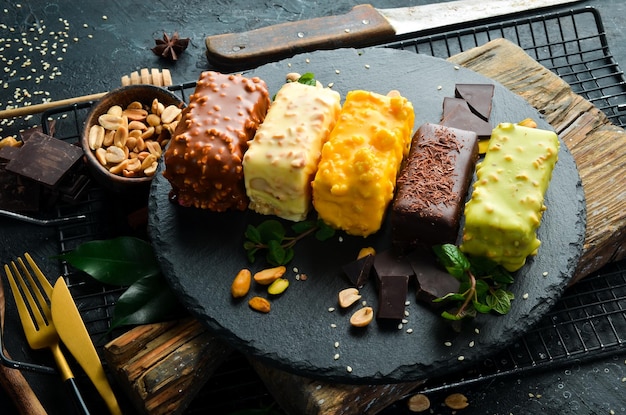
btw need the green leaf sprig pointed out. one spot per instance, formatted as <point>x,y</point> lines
<point>127,261</point>
<point>271,236</point>
<point>483,286</point>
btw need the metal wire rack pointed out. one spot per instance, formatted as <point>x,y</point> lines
<point>588,322</point>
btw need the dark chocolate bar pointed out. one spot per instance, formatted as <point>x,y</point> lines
<point>432,187</point>
<point>358,271</point>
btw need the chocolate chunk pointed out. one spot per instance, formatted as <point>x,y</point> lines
<point>432,280</point>
<point>44,159</point>
<point>478,97</point>
<point>432,187</point>
<point>457,114</point>
<point>392,277</point>
<point>358,271</point>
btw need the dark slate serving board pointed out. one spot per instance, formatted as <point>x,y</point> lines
<point>200,252</point>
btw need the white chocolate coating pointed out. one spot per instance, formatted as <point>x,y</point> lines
<point>283,156</point>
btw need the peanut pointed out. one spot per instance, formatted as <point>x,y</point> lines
<point>269,275</point>
<point>528,122</point>
<point>278,286</point>
<point>138,131</point>
<point>456,401</point>
<point>96,136</point>
<point>365,252</point>
<point>348,296</point>
<point>241,283</point>
<point>418,403</point>
<point>260,304</point>
<point>362,317</point>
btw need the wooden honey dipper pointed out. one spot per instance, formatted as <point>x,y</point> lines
<point>144,76</point>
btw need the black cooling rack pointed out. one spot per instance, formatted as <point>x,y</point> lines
<point>588,322</point>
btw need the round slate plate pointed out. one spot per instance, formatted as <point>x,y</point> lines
<point>200,252</point>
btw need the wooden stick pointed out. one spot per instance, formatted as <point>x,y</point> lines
<point>152,77</point>
<point>14,383</point>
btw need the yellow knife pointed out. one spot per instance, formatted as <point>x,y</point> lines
<point>75,337</point>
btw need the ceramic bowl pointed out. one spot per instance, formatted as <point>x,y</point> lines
<point>123,97</point>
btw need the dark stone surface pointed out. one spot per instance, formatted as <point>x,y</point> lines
<point>200,252</point>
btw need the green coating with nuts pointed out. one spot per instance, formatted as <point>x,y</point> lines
<point>506,207</point>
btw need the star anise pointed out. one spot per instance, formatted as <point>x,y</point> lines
<point>170,47</point>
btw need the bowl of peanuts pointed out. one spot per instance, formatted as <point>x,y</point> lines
<point>126,133</point>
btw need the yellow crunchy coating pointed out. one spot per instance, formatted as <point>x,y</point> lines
<point>505,210</point>
<point>282,158</point>
<point>356,176</point>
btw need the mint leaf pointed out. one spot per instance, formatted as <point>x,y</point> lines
<point>500,301</point>
<point>307,79</point>
<point>271,230</point>
<point>453,260</point>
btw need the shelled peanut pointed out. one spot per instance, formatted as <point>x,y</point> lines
<point>129,141</point>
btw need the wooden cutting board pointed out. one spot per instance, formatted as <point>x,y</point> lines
<point>596,146</point>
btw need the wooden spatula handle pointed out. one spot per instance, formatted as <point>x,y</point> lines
<point>20,392</point>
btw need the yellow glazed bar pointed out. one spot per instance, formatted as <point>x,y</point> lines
<point>356,177</point>
<point>505,210</point>
<point>282,158</point>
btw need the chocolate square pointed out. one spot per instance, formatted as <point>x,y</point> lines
<point>44,159</point>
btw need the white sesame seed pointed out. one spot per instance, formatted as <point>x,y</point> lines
<point>460,358</point>
<point>545,273</point>
<point>331,309</point>
<point>400,326</point>
<point>336,345</point>
<point>367,66</point>
<point>409,331</point>
<point>349,369</point>
<point>104,17</point>
<point>333,325</point>
<point>477,331</point>
<point>337,71</point>
<point>448,344</point>
<point>471,344</point>
<point>525,296</point>
<point>336,356</point>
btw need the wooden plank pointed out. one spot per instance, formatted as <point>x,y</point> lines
<point>596,144</point>
<point>154,362</point>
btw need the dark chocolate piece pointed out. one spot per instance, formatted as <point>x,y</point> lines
<point>457,114</point>
<point>392,277</point>
<point>432,187</point>
<point>432,280</point>
<point>44,159</point>
<point>358,271</point>
<point>478,97</point>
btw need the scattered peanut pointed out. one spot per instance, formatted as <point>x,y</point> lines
<point>418,403</point>
<point>365,252</point>
<point>456,401</point>
<point>10,141</point>
<point>362,317</point>
<point>133,130</point>
<point>278,286</point>
<point>241,283</point>
<point>269,275</point>
<point>348,296</point>
<point>259,304</point>
<point>528,122</point>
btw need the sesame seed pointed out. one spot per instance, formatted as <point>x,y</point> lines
<point>331,309</point>
<point>349,369</point>
<point>525,296</point>
<point>367,66</point>
<point>409,331</point>
<point>460,358</point>
<point>337,71</point>
<point>471,344</point>
<point>104,17</point>
<point>336,356</point>
<point>400,326</point>
<point>336,345</point>
<point>333,325</point>
<point>448,344</point>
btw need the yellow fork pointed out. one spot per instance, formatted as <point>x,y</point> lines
<point>34,311</point>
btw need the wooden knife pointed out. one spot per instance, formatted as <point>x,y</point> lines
<point>362,26</point>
